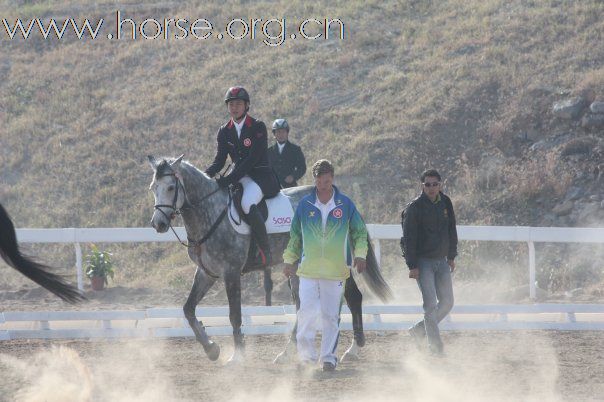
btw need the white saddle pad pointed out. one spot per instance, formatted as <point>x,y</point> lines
<point>280,215</point>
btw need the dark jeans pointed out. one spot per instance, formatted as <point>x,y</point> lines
<point>437,292</point>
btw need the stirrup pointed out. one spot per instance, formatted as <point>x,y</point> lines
<point>255,264</point>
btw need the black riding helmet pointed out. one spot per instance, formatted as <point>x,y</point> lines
<point>236,93</point>
<point>280,123</point>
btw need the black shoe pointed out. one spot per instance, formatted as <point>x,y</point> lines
<point>260,236</point>
<point>327,366</point>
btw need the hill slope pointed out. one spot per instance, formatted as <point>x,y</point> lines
<point>464,86</point>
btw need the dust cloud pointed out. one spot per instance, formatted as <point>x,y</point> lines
<point>58,374</point>
<point>479,366</point>
<point>114,372</point>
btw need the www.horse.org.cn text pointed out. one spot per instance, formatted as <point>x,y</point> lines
<point>272,31</point>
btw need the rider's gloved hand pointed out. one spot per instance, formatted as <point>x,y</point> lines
<point>223,182</point>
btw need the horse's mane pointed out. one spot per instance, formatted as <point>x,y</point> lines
<point>192,169</point>
<point>164,168</point>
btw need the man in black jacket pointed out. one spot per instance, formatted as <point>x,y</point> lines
<point>430,247</point>
<point>286,158</point>
<point>245,140</point>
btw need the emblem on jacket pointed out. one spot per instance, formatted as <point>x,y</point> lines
<point>247,142</point>
<point>311,214</point>
<point>337,213</point>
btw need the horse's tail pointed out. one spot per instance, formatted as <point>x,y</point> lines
<point>9,250</point>
<point>373,276</point>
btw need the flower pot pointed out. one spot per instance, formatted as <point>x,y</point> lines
<point>97,282</point>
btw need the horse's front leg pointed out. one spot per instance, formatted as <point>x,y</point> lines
<point>354,300</point>
<point>290,348</point>
<point>268,286</point>
<point>233,288</point>
<point>201,285</point>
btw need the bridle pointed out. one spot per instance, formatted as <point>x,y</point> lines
<point>176,211</point>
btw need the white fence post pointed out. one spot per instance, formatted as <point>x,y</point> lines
<point>532,290</point>
<point>79,273</point>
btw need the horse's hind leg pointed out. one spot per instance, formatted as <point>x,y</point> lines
<point>294,285</point>
<point>268,286</point>
<point>290,347</point>
<point>233,288</point>
<point>201,285</point>
<point>354,300</point>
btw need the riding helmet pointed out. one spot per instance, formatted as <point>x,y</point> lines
<point>280,123</point>
<point>236,93</point>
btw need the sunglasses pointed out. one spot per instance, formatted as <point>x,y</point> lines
<point>433,184</point>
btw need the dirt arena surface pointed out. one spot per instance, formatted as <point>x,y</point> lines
<point>479,366</point>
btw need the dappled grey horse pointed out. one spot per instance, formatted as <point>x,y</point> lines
<point>213,244</point>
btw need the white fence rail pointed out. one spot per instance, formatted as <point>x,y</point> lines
<point>170,322</point>
<point>529,235</point>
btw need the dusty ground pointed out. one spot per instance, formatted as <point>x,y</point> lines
<point>479,366</point>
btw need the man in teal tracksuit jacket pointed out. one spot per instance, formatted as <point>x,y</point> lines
<point>325,227</point>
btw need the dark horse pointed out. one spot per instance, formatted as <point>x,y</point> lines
<point>215,247</point>
<point>9,250</point>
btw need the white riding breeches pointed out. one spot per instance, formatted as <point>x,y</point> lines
<point>319,298</point>
<point>252,194</point>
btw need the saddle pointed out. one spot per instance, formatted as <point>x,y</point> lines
<point>236,195</point>
<point>276,211</point>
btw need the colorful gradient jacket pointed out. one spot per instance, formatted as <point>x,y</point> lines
<point>324,254</point>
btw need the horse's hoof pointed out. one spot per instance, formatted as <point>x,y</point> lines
<point>349,357</point>
<point>359,338</point>
<point>213,351</point>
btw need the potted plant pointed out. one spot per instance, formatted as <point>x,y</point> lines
<point>98,268</point>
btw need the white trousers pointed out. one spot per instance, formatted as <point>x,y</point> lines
<point>319,298</point>
<point>252,194</point>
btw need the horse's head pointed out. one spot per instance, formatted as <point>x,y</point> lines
<point>168,190</point>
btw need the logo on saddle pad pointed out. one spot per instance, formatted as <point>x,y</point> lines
<point>337,213</point>
<point>247,142</point>
<point>278,221</point>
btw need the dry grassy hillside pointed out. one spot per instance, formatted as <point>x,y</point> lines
<point>465,86</point>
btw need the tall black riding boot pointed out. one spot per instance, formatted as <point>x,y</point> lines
<point>260,236</point>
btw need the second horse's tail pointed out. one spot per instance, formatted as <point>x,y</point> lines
<point>373,276</point>
<point>9,250</point>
